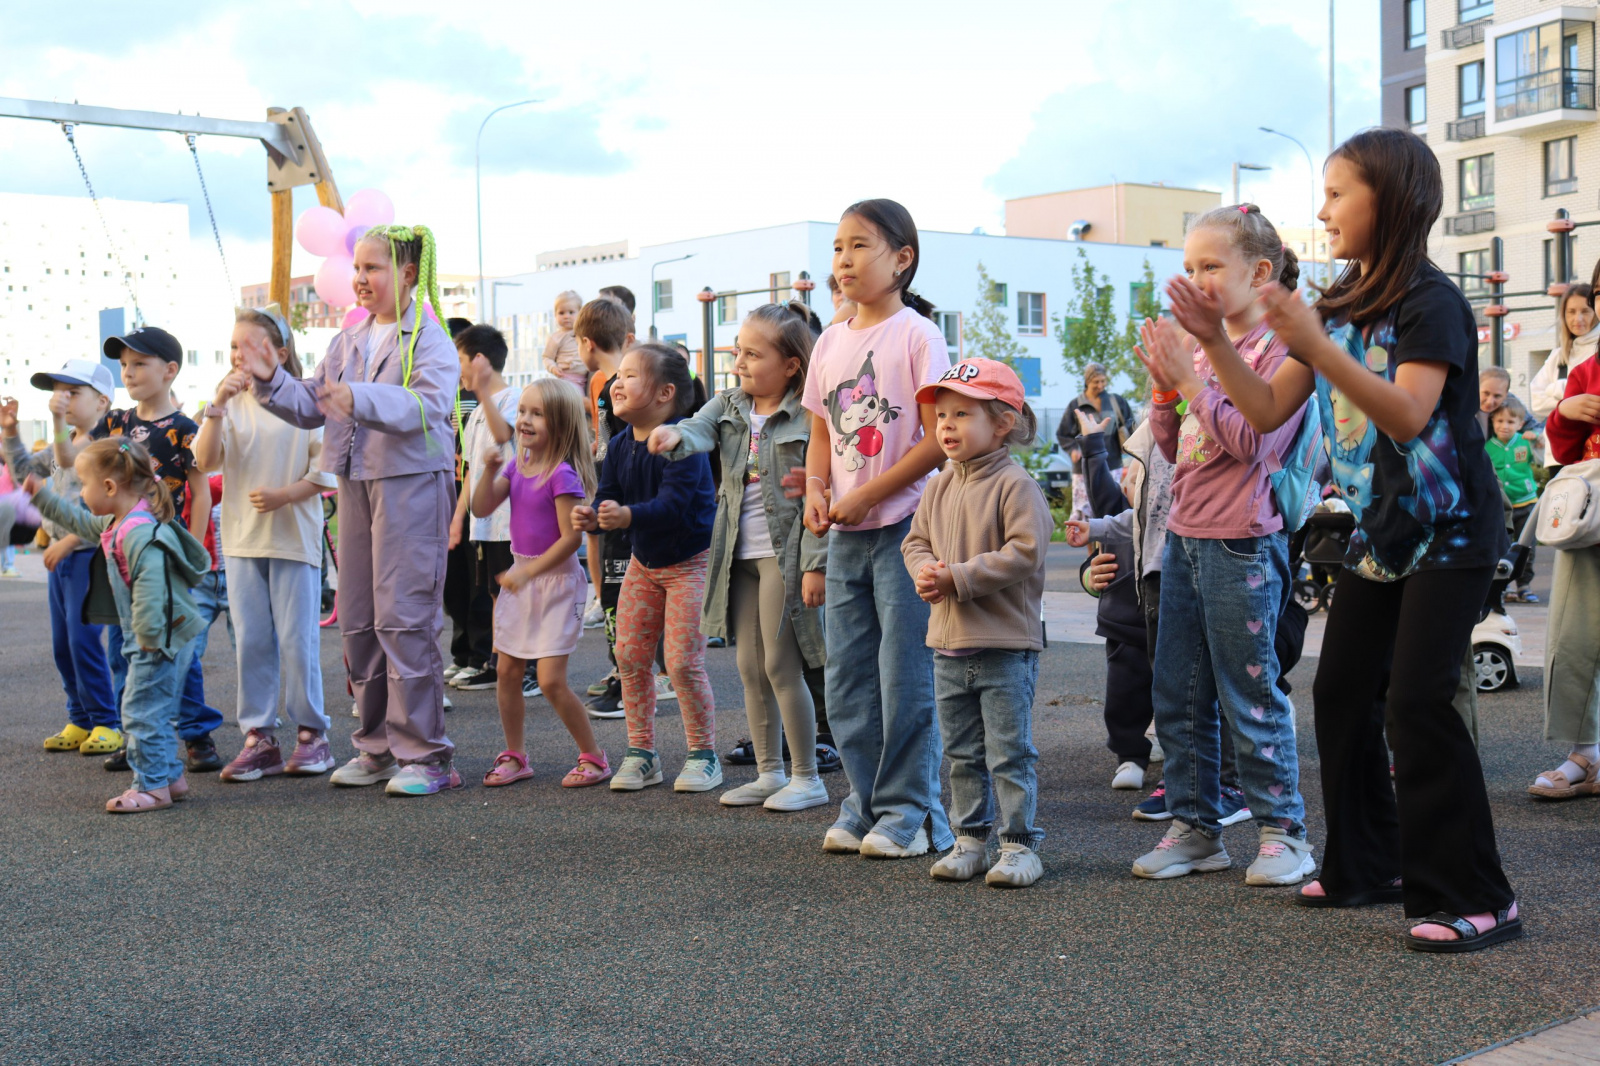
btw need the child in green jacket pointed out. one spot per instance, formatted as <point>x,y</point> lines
<point>1511,452</point>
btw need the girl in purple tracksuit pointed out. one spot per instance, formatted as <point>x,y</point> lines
<point>384,392</point>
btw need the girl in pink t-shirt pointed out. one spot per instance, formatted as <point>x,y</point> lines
<point>869,456</point>
<point>538,614</point>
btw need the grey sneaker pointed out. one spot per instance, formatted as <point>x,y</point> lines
<point>639,769</point>
<point>701,772</point>
<point>1282,860</point>
<point>968,859</point>
<point>1184,850</point>
<point>365,769</point>
<point>1018,867</point>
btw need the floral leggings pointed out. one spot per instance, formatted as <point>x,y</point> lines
<point>657,603</point>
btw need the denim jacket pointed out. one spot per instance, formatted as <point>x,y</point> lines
<point>725,421</point>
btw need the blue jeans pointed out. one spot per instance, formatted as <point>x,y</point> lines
<point>196,718</point>
<point>986,715</point>
<point>80,658</point>
<point>880,688</point>
<point>149,712</point>
<point>1220,601</point>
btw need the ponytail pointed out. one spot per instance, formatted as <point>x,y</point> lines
<point>127,463</point>
<point>1255,238</point>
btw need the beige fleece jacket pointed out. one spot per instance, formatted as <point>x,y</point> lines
<point>987,520</point>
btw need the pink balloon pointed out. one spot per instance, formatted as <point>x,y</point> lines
<point>428,310</point>
<point>369,207</point>
<point>354,317</point>
<point>320,230</point>
<point>336,281</point>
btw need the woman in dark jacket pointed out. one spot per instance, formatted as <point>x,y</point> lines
<point>1105,405</point>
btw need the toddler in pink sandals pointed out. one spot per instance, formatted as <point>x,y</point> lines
<point>538,612</point>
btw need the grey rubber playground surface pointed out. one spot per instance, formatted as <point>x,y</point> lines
<point>285,921</point>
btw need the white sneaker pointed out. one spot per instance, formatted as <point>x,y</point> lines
<point>877,846</point>
<point>1130,775</point>
<point>664,689</point>
<point>447,704</point>
<point>355,710</point>
<point>639,769</point>
<point>452,670</point>
<point>841,841</point>
<point>1018,867</point>
<point>799,794</point>
<point>9,572</point>
<point>1156,752</point>
<point>595,616</point>
<point>1282,860</point>
<point>365,770</point>
<point>755,792</point>
<point>702,772</point>
<point>968,859</point>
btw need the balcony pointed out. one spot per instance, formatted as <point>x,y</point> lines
<point>1468,224</point>
<point>1467,129</point>
<point>1548,90</point>
<point>1465,36</point>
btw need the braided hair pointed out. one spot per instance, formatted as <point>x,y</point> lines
<point>412,245</point>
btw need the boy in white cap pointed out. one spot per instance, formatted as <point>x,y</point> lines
<point>81,393</point>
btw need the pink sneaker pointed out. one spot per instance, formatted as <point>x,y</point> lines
<point>259,758</point>
<point>312,755</point>
<point>508,766</point>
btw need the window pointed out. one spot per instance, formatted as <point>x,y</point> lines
<point>1027,367</point>
<point>1470,78</point>
<point>1417,106</point>
<point>1550,260</point>
<point>727,309</point>
<point>1477,182</point>
<point>1416,24</point>
<point>1137,290</point>
<point>664,295</point>
<point>1474,262</point>
<point>949,323</point>
<point>194,357</point>
<point>781,293</point>
<point>1475,9</point>
<point>219,358</point>
<point>998,290</point>
<point>1560,167</point>
<point>1536,70</point>
<point>1030,314</point>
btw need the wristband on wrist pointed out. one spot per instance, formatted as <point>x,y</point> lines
<point>1157,396</point>
<point>817,479</point>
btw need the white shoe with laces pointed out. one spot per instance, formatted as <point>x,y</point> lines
<point>968,859</point>
<point>1017,867</point>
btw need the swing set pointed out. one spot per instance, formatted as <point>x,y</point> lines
<point>294,158</point>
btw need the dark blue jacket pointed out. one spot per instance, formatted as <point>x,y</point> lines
<point>673,504</point>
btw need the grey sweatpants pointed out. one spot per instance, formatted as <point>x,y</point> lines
<point>772,669</point>
<point>392,536</point>
<point>1572,650</point>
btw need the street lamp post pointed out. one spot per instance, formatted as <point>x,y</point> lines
<point>477,178</point>
<point>1243,166</point>
<point>1311,167</point>
<point>664,262</point>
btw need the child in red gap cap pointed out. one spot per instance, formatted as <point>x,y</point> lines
<point>985,582</point>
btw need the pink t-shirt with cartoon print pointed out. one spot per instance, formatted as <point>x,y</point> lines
<point>864,384</point>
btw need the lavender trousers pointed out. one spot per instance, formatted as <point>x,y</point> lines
<point>392,536</point>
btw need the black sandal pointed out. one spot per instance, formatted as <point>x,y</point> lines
<point>1505,928</point>
<point>1366,897</point>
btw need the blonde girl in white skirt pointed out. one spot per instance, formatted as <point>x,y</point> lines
<point>538,614</point>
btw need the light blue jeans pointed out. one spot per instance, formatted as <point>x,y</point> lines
<point>150,714</point>
<point>1220,601</point>
<point>986,715</point>
<point>880,688</point>
<point>273,604</point>
<point>197,719</point>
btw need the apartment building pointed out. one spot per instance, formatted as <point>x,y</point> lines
<point>1123,213</point>
<point>1503,91</point>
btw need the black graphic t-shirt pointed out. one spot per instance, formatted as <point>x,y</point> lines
<point>169,440</point>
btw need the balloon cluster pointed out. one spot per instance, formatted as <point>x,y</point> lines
<point>325,232</point>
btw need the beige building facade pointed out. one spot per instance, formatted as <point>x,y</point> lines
<point>1506,99</point>
<point>1123,213</point>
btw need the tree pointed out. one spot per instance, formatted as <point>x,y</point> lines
<point>1146,304</point>
<point>298,317</point>
<point>988,333</point>
<point>1089,331</point>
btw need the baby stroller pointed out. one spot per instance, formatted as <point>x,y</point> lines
<point>1325,536</point>
<point>1495,641</point>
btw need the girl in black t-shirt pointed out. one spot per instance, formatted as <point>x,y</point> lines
<point>1391,352</point>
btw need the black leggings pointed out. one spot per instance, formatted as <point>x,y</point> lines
<point>1433,826</point>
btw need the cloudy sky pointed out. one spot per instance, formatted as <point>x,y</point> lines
<point>668,120</point>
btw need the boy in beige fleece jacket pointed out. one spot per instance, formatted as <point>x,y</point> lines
<point>976,552</point>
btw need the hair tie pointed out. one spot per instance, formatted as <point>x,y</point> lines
<point>122,446</point>
<point>1244,209</point>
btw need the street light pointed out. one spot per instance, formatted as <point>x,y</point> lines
<point>1243,166</point>
<point>477,178</point>
<point>1313,170</point>
<point>664,262</point>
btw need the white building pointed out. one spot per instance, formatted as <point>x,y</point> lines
<point>58,273</point>
<point>1036,275</point>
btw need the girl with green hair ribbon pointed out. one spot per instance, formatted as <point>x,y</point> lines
<point>382,386</point>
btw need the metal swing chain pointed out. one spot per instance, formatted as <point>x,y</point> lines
<point>127,276</point>
<point>215,233</point>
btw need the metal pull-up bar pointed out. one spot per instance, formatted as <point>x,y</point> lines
<point>272,134</point>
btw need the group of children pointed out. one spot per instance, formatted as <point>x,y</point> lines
<point>822,537</point>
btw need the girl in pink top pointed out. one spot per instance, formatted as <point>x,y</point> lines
<point>538,614</point>
<point>870,453</point>
<point>1225,573</point>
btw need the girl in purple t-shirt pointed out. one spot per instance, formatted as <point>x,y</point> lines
<point>538,613</point>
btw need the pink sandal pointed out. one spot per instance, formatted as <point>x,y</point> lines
<point>591,770</point>
<point>508,766</point>
<point>134,801</point>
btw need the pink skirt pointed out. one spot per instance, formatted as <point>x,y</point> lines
<point>544,618</point>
